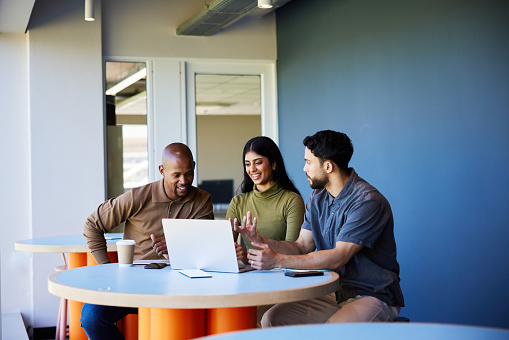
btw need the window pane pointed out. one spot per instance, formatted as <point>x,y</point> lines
<point>126,119</point>
<point>135,156</point>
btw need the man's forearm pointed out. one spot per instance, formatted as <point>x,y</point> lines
<point>96,242</point>
<point>101,256</point>
<point>284,247</point>
<point>331,259</point>
<point>314,260</point>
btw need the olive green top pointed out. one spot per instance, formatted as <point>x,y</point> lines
<point>279,212</point>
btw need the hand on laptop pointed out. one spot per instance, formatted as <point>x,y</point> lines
<point>159,245</point>
<point>248,228</point>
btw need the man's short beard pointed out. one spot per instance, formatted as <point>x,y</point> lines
<point>318,183</point>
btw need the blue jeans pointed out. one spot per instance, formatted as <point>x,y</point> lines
<point>99,322</point>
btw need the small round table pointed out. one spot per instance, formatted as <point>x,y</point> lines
<point>78,255</point>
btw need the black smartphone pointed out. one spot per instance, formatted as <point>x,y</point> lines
<point>302,274</point>
<point>155,266</point>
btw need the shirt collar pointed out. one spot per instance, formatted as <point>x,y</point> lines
<point>347,189</point>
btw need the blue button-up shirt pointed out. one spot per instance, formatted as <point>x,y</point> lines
<point>361,215</point>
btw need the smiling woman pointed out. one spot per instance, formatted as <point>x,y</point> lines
<point>268,193</point>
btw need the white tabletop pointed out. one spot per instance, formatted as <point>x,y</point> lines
<point>379,331</point>
<point>64,244</point>
<point>166,288</point>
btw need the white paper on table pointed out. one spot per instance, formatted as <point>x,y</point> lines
<point>194,273</point>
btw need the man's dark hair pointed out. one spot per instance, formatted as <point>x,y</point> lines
<point>266,147</point>
<point>331,145</point>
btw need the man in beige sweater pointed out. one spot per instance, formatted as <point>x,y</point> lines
<point>142,210</point>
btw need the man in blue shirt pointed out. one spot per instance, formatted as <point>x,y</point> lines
<point>349,228</point>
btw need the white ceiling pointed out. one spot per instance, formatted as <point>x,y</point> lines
<point>227,94</point>
<point>14,15</point>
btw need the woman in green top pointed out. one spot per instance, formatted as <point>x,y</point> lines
<point>268,193</point>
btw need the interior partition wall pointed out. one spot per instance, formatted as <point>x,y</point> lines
<point>422,90</point>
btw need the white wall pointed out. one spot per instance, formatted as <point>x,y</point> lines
<point>52,119</point>
<point>16,267</point>
<point>66,132</point>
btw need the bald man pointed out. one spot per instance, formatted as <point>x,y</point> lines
<point>142,210</point>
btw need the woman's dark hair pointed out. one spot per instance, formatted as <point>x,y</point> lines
<point>331,145</point>
<point>266,147</point>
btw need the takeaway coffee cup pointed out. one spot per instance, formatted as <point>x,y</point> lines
<point>125,250</point>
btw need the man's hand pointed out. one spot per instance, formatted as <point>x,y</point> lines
<point>248,228</point>
<point>159,245</point>
<point>241,253</point>
<point>264,258</point>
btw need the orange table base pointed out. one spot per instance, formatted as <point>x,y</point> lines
<point>175,324</point>
<point>143,323</point>
<point>221,320</point>
<point>184,324</point>
<point>75,331</point>
<point>129,327</point>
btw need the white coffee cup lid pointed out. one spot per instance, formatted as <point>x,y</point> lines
<point>126,242</point>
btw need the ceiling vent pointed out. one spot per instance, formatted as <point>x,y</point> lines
<point>218,14</point>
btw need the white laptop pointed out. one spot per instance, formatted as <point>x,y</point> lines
<point>202,244</point>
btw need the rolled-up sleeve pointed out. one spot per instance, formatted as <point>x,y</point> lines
<point>107,216</point>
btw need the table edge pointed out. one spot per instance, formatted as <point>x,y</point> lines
<point>62,248</point>
<point>192,301</point>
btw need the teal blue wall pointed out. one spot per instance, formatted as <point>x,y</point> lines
<point>422,89</point>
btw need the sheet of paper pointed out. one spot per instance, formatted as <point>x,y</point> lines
<point>194,273</point>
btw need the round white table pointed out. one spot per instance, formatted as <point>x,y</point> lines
<point>379,331</point>
<point>176,302</point>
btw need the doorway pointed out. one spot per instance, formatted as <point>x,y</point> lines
<point>245,94</point>
<point>228,114</point>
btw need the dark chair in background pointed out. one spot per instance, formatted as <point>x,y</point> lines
<point>221,191</point>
